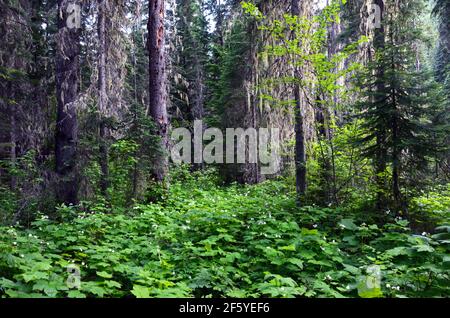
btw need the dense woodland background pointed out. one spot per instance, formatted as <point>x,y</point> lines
<point>85,137</point>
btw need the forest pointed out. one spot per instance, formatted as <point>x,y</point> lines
<point>224,149</point>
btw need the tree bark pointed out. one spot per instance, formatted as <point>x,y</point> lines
<point>67,87</point>
<point>380,165</point>
<point>219,22</point>
<point>300,142</point>
<point>102,96</point>
<point>13,154</point>
<point>396,151</point>
<point>157,85</point>
<point>396,167</point>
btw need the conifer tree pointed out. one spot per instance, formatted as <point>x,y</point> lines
<point>401,100</point>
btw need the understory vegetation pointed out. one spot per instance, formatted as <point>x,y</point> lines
<point>207,240</point>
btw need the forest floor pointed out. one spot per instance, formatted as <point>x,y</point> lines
<point>238,241</point>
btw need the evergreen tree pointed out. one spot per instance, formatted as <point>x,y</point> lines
<point>401,100</point>
<point>441,10</point>
<point>192,57</point>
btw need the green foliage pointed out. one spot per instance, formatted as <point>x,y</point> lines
<point>351,171</point>
<point>400,104</point>
<point>187,92</point>
<point>206,240</point>
<point>432,207</point>
<point>227,72</point>
<point>8,204</point>
<point>303,39</point>
<point>19,198</point>
<point>130,159</point>
<point>122,161</point>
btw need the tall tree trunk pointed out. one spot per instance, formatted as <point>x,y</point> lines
<point>157,84</point>
<point>323,132</point>
<point>396,151</point>
<point>13,154</point>
<point>67,87</point>
<point>396,167</point>
<point>11,109</point>
<point>442,12</point>
<point>219,21</point>
<point>102,95</point>
<point>380,165</point>
<point>300,142</point>
<point>199,99</point>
